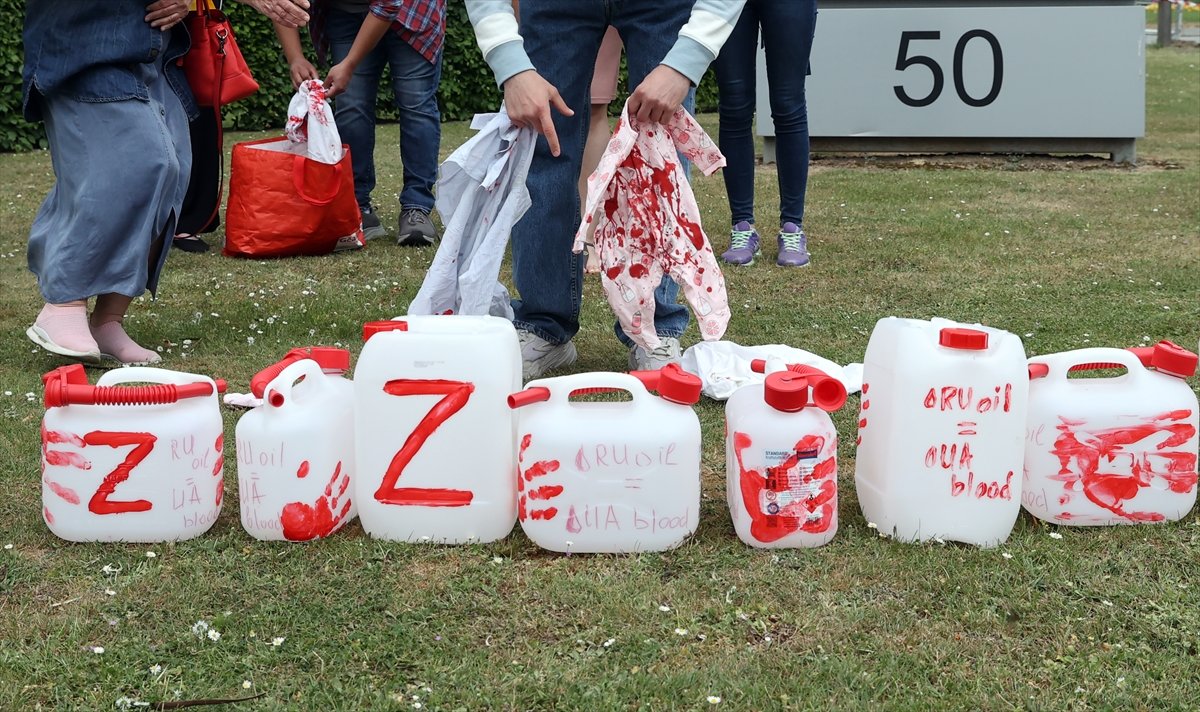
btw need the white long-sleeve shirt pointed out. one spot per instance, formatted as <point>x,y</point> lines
<point>699,41</point>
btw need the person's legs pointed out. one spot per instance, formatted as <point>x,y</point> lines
<point>788,30</point>
<point>562,40</point>
<point>650,30</point>
<point>415,84</point>
<point>735,74</point>
<point>788,27</point>
<point>354,110</point>
<point>200,212</point>
<point>603,92</point>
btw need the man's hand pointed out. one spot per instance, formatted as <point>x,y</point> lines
<point>338,78</point>
<point>528,98</point>
<point>302,70</point>
<point>289,13</point>
<point>165,14</point>
<point>659,95</point>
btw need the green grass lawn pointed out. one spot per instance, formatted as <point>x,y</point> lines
<point>1066,253</point>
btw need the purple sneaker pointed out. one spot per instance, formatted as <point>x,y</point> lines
<point>793,246</point>
<point>743,245</point>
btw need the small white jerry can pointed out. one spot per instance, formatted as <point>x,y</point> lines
<point>781,459</point>
<point>942,431</point>
<point>434,437</point>
<point>295,456</point>
<point>124,462</point>
<point>1118,450</point>
<point>609,477</point>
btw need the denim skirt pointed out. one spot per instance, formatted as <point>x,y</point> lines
<point>121,170</point>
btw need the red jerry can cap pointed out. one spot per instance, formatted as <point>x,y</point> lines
<point>672,383</point>
<point>964,339</point>
<point>786,391</point>
<point>1173,359</point>
<point>372,328</point>
<point>679,386</point>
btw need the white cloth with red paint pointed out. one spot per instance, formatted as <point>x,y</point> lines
<point>724,367</point>
<point>481,194</point>
<point>310,121</point>
<point>648,224</point>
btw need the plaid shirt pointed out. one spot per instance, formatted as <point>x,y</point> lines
<point>420,23</point>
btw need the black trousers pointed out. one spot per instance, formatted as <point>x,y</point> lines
<point>200,212</point>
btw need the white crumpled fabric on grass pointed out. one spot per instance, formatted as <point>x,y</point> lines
<point>310,121</point>
<point>724,367</point>
<point>481,194</point>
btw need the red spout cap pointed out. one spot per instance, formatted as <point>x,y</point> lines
<point>374,327</point>
<point>963,339</point>
<point>1174,360</point>
<point>672,383</point>
<point>528,397</point>
<point>786,391</point>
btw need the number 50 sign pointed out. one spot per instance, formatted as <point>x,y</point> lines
<point>973,77</point>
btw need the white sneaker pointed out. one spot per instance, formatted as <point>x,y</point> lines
<point>667,352</point>
<point>539,356</point>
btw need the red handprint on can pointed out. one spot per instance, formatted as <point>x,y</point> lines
<point>543,493</point>
<point>789,497</point>
<point>303,522</point>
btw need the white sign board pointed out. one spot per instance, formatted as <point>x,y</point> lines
<point>1017,71</point>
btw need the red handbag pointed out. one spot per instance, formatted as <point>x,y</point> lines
<point>215,68</point>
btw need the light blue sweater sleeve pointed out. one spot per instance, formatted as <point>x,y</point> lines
<point>699,40</point>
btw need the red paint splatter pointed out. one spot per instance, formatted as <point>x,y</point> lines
<point>142,443</point>
<point>66,493</point>
<point>54,437</point>
<point>62,458</point>
<point>615,271</point>
<point>219,465</point>
<point>540,468</point>
<point>47,515</point>
<point>1082,453</point>
<point>455,396</point>
<point>792,516</point>
<point>303,522</point>
<point>219,445</point>
<point>638,270</point>
<point>302,471</point>
<point>66,459</point>
<point>220,492</point>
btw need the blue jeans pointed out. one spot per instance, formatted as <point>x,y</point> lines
<point>415,83</point>
<point>562,39</point>
<point>788,27</point>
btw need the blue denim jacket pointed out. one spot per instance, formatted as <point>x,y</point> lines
<point>86,49</point>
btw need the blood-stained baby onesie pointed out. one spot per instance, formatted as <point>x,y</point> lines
<point>650,225</point>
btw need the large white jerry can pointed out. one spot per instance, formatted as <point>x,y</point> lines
<point>434,437</point>
<point>781,460</point>
<point>608,477</point>
<point>138,463</point>
<point>1118,450</point>
<point>942,431</point>
<point>295,456</point>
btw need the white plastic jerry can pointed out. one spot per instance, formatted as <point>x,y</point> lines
<point>124,462</point>
<point>609,477</point>
<point>781,459</point>
<point>434,437</point>
<point>941,431</point>
<point>295,455</point>
<point>1118,450</point>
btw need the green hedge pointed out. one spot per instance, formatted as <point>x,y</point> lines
<point>467,85</point>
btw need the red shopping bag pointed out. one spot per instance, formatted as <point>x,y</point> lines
<point>282,203</point>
